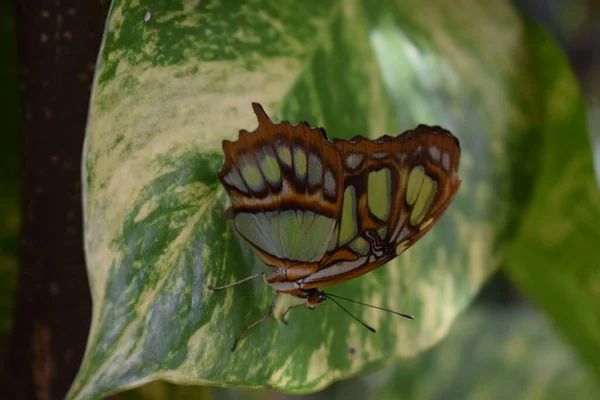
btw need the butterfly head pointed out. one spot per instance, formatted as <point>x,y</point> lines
<point>314,298</point>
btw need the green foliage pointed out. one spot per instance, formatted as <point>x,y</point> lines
<point>555,257</point>
<point>169,89</point>
<point>491,353</point>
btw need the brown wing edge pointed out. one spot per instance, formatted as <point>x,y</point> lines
<point>302,134</point>
<point>264,121</point>
<point>408,134</point>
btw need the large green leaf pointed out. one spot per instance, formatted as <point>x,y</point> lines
<point>490,353</point>
<point>555,258</point>
<point>176,78</point>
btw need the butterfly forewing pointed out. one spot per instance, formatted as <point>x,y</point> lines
<point>395,189</point>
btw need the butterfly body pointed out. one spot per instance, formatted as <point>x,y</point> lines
<point>320,212</point>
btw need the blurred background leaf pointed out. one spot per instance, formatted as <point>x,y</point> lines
<point>576,26</point>
<point>555,257</point>
<point>491,353</point>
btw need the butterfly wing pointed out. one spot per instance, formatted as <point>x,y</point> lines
<point>395,190</point>
<point>285,190</point>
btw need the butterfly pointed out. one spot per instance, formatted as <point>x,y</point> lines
<point>319,212</point>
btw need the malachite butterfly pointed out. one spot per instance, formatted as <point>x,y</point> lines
<point>320,212</point>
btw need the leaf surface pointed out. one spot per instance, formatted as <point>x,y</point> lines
<point>176,78</point>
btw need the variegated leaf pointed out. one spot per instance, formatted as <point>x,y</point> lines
<point>176,78</point>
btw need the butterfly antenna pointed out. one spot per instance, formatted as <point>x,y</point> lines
<point>329,295</point>
<point>348,312</point>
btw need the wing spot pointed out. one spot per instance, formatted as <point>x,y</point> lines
<point>395,236</point>
<point>422,203</point>
<point>315,170</point>
<point>234,179</point>
<point>300,163</point>
<point>435,153</point>
<point>354,160</point>
<point>285,155</point>
<point>404,233</point>
<point>446,161</point>
<point>252,176</point>
<point>401,247</point>
<point>270,169</point>
<point>426,224</point>
<point>415,179</point>
<point>380,155</point>
<point>379,193</point>
<point>454,178</point>
<point>348,228</point>
<point>330,185</point>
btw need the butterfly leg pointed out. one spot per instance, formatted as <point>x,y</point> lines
<point>267,315</point>
<point>237,282</point>
<point>288,310</point>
